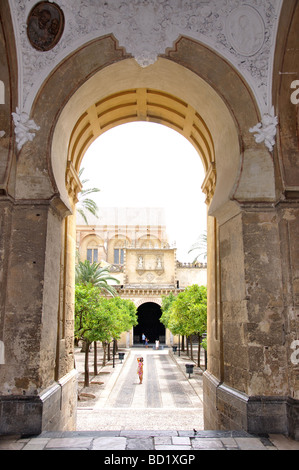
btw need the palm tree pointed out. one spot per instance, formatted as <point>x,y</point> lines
<point>87,273</point>
<point>201,245</point>
<point>86,204</point>
<point>94,274</point>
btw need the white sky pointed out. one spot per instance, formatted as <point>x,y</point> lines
<point>149,165</point>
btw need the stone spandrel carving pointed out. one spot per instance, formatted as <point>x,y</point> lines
<point>23,128</point>
<point>147,28</point>
<point>265,131</point>
<point>245,30</point>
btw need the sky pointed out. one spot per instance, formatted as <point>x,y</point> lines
<point>145,164</point>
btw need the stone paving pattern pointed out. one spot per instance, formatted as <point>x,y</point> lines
<point>164,414</point>
<point>148,441</point>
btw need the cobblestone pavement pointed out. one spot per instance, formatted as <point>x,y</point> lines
<point>163,415</point>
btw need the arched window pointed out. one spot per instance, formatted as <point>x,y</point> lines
<point>118,250</point>
<point>92,254</point>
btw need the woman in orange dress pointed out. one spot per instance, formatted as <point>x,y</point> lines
<point>140,368</point>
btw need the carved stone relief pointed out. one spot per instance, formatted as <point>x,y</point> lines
<point>242,31</point>
<point>245,30</point>
<point>23,128</point>
<point>150,263</point>
<point>265,131</point>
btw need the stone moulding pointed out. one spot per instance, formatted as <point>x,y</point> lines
<point>31,415</point>
<point>254,414</point>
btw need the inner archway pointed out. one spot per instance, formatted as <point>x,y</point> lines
<point>149,324</point>
<point>159,94</point>
<point>156,94</point>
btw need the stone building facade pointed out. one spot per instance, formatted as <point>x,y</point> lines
<point>133,243</point>
<point>222,73</point>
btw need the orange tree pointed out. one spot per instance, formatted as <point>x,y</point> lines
<point>98,318</point>
<point>186,314</point>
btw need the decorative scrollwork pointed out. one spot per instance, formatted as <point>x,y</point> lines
<point>265,131</point>
<point>23,128</point>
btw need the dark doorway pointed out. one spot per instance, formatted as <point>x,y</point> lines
<point>149,323</point>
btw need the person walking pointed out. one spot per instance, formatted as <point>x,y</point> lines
<point>140,368</point>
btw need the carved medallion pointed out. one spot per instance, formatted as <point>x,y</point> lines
<point>45,25</point>
<point>245,30</point>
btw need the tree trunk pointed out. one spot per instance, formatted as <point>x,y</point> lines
<point>95,359</point>
<point>198,354</point>
<point>104,353</point>
<point>86,369</point>
<point>114,351</point>
<point>191,347</point>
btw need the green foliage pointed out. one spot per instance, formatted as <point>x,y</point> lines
<point>122,315</point>
<point>167,301</point>
<point>101,319</point>
<point>96,275</point>
<point>86,204</point>
<point>204,343</point>
<point>186,314</point>
<point>200,246</point>
<point>90,322</point>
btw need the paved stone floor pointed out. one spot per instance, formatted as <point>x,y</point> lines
<point>164,415</point>
<point>164,399</point>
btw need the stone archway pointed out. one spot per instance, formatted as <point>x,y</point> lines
<point>149,314</point>
<point>216,124</point>
<point>203,96</point>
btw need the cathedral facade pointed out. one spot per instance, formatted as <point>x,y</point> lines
<point>133,244</point>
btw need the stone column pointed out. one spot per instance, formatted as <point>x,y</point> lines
<point>32,398</point>
<point>251,388</point>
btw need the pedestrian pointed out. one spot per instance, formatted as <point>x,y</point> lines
<point>146,342</point>
<point>157,344</point>
<point>140,368</point>
<point>143,338</point>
